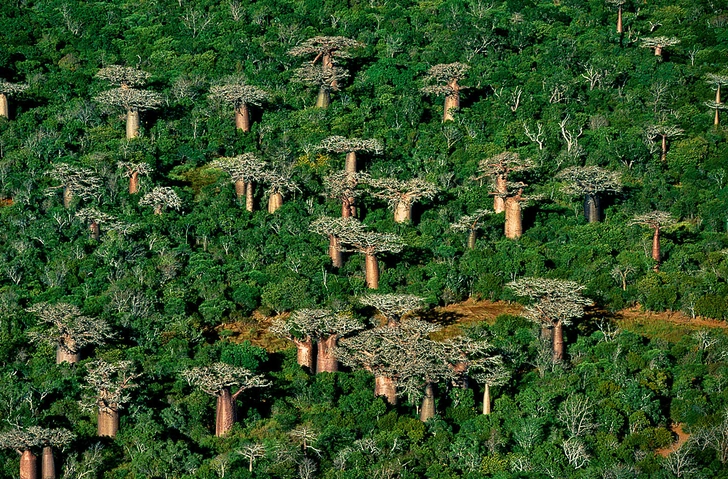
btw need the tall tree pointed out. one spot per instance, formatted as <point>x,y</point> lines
<point>658,43</point>
<point>219,380</point>
<point>449,76</point>
<point>370,244</point>
<point>50,439</point>
<point>6,89</point>
<point>69,330</point>
<point>342,186</point>
<point>108,387</point>
<point>300,327</point>
<point>499,167</point>
<point>95,219</point>
<point>161,198</point>
<point>279,183</point>
<point>24,440</point>
<point>131,99</point>
<point>655,220</point>
<point>133,171</point>
<point>471,224</point>
<point>351,146</point>
<point>335,229</point>
<point>236,91</point>
<point>513,226</point>
<point>619,4</point>
<point>664,132</point>
<point>245,170</point>
<point>74,181</point>
<point>590,181</point>
<point>716,81</point>
<point>401,195</point>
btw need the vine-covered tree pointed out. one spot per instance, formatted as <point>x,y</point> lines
<point>342,186</point>
<point>133,171</point>
<point>499,167</point>
<point>716,81</point>
<point>132,100</point>
<point>471,224</point>
<point>245,170</point>
<point>108,386</point>
<point>664,132</point>
<point>236,91</point>
<point>351,146</point>
<point>555,303</point>
<point>24,440</point>
<point>370,244</point>
<point>655,220</point>
<point>328,49</point>
<point>161,198</point>
<point>448,75</point>
<point>393,306</point>
<point>590,181</point>
<point>69,330</point>
<point>95,219</point>
<point>74,181</point>
<point>658,43</point>
<point>402,194</point>
<point>7,88</point>
<point>219,380</point>
<point>335,229</point>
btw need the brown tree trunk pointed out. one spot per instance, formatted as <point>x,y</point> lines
<point>472,237</point>
<point>28,465</point>
<point>486,399</point>
<point>242,118</point>
<point>663,156</point>
<point>501,189</point>
<point>350,164</point>
<point>371,271</point>
<point>592,209</point>
<point>132,124</point>
<point>514,224</point>
<point>239,189</point>
<point>134,183</point>
<point>325,359</point>
<point>385,386</point>
<point>304,353</point>
<point>63,355</point>
<point>48,464</point>
<point>324,98</point>
<point>619,20</point>
<point>4,110</point>
<point>95,230</point>
<point>452,101</point>
<point>717,94</point>
<point>656,248</point>
<point>67,196</point>
<point>274,202</point>
<point>428,403</point>
<point>716,120</point>
<point>337,257</point>
<point>225,414</point>
<point>108,422</point>
<point>348,208</point>
<point>658,51</point>
<point>249,196</point>
<point>403,212</point>
<point>558,341</point>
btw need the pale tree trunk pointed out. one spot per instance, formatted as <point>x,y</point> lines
<point>371,271</point>
<point>108,422</point>
<point>275,202</point>
<point>249,205</point>
<point>28,465</point>
<point>324,98</point>
<point>350,164</point>
<point>558,341</point>
<point>716,120</point>
<point>486,399</point>
<point>663,156</point>
<point>225,414</point>
<point>325,359</point>
<point>472,237</point>
<point>158,210</point>
<point>95,230</point>
<point>385,386</point>
<point>242,118</point>
<point>337,259</point>
<point>348,208</point>
<point>134,183</point>
<point>658,51</point>
<point>514,223</point>
<point>501,190</point>
<point>592,209</point>
<point>452,101</point>
<point>304,352</point>
<point>403,212</point>
<point>620,29</point>
<point>132,124</point>
<point>64,355</point>
<point>48,464</point>
<point>4,110</point>
<point>67,196</point>
<point>239,190</point>
<point>656,248</point>
<point>428,403</point>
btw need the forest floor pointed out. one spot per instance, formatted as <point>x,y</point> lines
<point>682,438</point>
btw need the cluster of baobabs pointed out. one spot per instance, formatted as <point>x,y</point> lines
<point>394,347</point>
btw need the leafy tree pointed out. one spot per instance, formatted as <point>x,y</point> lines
<point>655,220</point>
<point>108,387</point>
<point>235,91</point>
<point>7,88</point>
<point>590,181</point>
<point>450,74</point>
<point>665,132</point>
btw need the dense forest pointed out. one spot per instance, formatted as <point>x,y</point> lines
<point>333,172</point>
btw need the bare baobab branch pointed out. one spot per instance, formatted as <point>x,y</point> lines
<point>402,194</point>
<point>161,197</point>
<point>450,74</point>
<point>235,91</point>
<point>108,389</point>
<point>245,170</point>
<point>590,181</point>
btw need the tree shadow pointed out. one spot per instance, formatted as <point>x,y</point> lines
<point>441,318</point>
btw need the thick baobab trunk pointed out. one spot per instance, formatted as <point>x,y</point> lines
<point>452,101</point>
<point>325,359</point>
<point>501,190</point>
<point>486,399</point>
<point>95,230</point>
<point>324,98</point>
<point>48,464</point>
<point>663,156</point>
<point>134,183</point>
<point>619,20</point>
<point>385,386</point>
<point>472,237</point>
<point>514,223</point>
<point>592,210</point>
<point>242,118</point>
<point>558,341</point>
<point>274,202</point>
<point>158,210</point>
<point>226,413</point>
<point>239,189</point>
<point>658,51</point>
<point>304,353</point>
<point>350,164</point>
<point>337,257</point>
<point>428,403</point>
<point>67,196</point>
<point>403,212</point>
<point>348,208</point>
<point>28,465</point>
<point>132,124</point>
<point>371,271</point>
<point>64,355</point>
<point>656,247</point>
<point>249,191</point>
<point>108,422</point>
<point>4,110</point>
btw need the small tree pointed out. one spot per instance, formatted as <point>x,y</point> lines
<point>351,146</point>
<point>27,439</point>
<point>108,387</point>
<point>69,330</point>
<point>655,220</point>
<point>251,452</point>
<point>393,306</point>
<point>659,43</point>
<point>450,74</point>
<point>133,171</point>
<point>327,78</point>
<point>619,4</point>
<point>342,186</point>
<point>716,81</point>
<point>335,229</point>
<point>160,198</point>
<point>126,96</point>
<point>590,181</point>
<point>235,91</point>
<point>555,304</point>
<point>369,244</point>
<point>6,89</point>
<point>499,167</point>
<point>665,132</point>
<point>471,224</point>
<point>244,170</point>
<point>74,181</point>
<point>95,218</point>
<point>402,194</point>
<point>218,380</point>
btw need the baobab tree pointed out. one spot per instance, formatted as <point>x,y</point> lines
<point>245,170</point>
<point>108,387</point>
<point>334,229</point>
<point>24,440</point>
<point>342,186</point>
<point>499,167</point>
<point>132,100</point>
<point>219,380</point>
<point>299,328</point>
<point>329,50</point>
<point>665,132</point>
<point>554,304</point>
<point>6,89</point>
<point>590,181</point>
<point>370,244</point>
<point>329,329</point>
<point>75,181</point>
<point>235,91</point>
<point>279,184</point>
<point>133,171</point>
<point>95,219</point>
<point>402,194</point>
<point>449,76</point>
<point>393,306</point>
<point>716,81</point>
<point>350,146</point>
<point>69,330</point>
<point>619,4</point>
<point>419,375</point>
<point>161,198</point>
<point>471,224</point>
<point>655,220</point>
<point>659,43</point>
<point>513,227</point>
